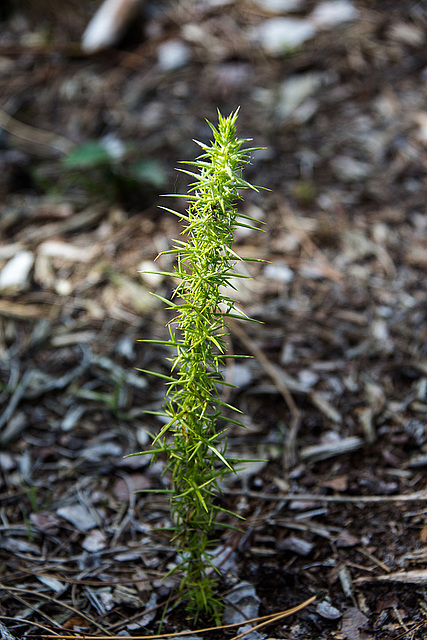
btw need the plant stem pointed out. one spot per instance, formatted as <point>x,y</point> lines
<point>196,452</point>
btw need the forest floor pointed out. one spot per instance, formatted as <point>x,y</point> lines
<point>335,396</point>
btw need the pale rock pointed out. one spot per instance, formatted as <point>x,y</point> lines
<point>251,468</point>
<point>278,36</point>
<point>143,438</point>
<point>147,269</point>
<point>46,522</point>
<point>7,463</point>
<point>108,24</point>
<point>100,450</point>
<point>114,146</point>
<point>379,331</point>
<point>127,556</point>
<point>305,111</point>
<point>353,620</point>
<point>128,293</point>
<point>384,312</point>
<point>192,32</point>
<point>407,33</point>
<point>9,250</point>
<point>95,541</point>
<point>189,637</point>
<point>296,91</point>
<point>125,347</point>
<point>18,545</point>
<point>280,6</point>
<point>242,603</point>
<point>349,169</point>
<point>296,545</point>
<point>172,55</point>
<point>44,273</point>
<point>420,120</point>
<point>332,13</point>
<point>125,487</point>
<point>326,610</point>
<point>250,635</point>
<point>149,613</point>
<point>15,273</point>
<point>79,516</point>
<point>7,65</point>
<point>152,115</point>
<point>279,272</point>
<point>63,287</point>
<point>73,415</point>
<point>308,378</point>
<point>386,106</point>
<point>106,598</point>
<point>239,374</point>
<point>231,76</point>
<point>224,559</point>
<point>66,251</point>
<point>217,3</point>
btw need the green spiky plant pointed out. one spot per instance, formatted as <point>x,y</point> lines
<point>192,440</point>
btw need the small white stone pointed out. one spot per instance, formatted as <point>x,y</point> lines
<point>143,438</point>
<point>307,377</point>
<point>349,169</point>
<point>326,610</point>
<point>218,3</point>
<point>280,6</point>
<point>115,147</point>
<point>406,33</point>
<point>108,24</point>
<point>152,115</point>
<point>79,516</point>
<point>379,330</point>
<point>172,54</point>
<point>63,287</point>
<point>332,13</point>
<point>14,274</point>
<point>278,36</point>
<point>280,272</point>
<point>146,269</point>
<point>295,91</point>
<point>242,603</point>
<point>66,251</point>
<point>192,32</point>
<point>250,635</point>
<point>239,374</point>
<point>420,120</point>
<point>95,541</point>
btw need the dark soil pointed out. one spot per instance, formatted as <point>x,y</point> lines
<point>335,397</point>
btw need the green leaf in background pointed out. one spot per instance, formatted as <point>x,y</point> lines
<point>148,172</point>
<point>88,155</point>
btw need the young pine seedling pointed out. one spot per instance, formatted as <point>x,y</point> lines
<point>192,440</point>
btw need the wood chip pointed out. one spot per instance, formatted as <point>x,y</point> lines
<point>409,577</point>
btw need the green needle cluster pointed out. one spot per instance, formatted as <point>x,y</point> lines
<point>192,440</point>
